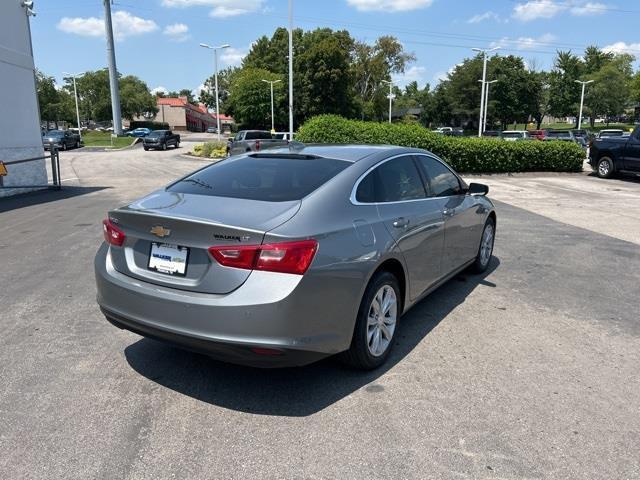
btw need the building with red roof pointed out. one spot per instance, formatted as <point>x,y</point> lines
<point>182,115</point>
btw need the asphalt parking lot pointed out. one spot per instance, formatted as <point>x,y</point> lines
<point>529,371</point>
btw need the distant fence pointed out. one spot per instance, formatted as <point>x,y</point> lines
<point>54,156</point>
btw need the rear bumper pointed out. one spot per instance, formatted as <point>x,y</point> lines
<point>269,311</point>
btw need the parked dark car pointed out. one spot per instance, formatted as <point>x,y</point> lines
<point>161,139</point>
<point>610,155</point>
<point>492,133</point>
<point>61,139</point>
<point>563,135</point>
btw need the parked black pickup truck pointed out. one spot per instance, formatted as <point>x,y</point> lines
<point>161,139</point>
<point>611,155</point>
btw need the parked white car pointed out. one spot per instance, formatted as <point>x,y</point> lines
<point>515,135</point>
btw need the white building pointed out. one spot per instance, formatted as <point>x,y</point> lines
<point>20,136</point>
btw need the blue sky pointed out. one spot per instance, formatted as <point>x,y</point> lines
<point>157,40</point>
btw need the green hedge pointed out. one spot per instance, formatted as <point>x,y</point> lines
<point>464,154</point>
<point>150,125</point>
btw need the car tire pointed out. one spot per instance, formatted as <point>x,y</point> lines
<point>485,250</point>
<point>605,168</point>
<point>366,352</point>
<point>164,146</point>
<point>177,145</point>
<point>146,149</point>
<point>64,146</point>
<point>77,144</point>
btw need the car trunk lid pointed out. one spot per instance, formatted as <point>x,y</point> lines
<point>183,226</point>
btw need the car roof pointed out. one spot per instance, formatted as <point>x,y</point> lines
<point>350,153</point>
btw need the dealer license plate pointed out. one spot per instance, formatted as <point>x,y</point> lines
<point>169,259</point>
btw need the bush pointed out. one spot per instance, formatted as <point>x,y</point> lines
<point>464,154</point>
<point>211,150</point>
<point>150,125</point>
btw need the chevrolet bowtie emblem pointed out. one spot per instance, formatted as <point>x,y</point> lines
<point>160,231</point>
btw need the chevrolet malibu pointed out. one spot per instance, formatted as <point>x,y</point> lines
<point>284,257</point>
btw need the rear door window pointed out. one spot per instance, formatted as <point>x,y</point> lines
<point>396,180</point>
<point>267,179</point>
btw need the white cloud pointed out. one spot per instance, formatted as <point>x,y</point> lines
<point>412,74</point>
<point>623,47</point>
<point>159,89</point>
<point>124,25</point>
<point>221,8</point>
<point>177,32</point>
<point>481,17</point>
<point>589,8</point>
<point>232,57</point>
<point>535,9</point>
<point>389,5</point>
<point>525,43</point>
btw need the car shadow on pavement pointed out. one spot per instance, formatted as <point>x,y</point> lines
<point>292,392</point>
<point>44,196</point>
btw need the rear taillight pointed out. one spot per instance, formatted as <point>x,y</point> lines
<point>286,257</point>
<point>257,145</point>
<point>112,234</point>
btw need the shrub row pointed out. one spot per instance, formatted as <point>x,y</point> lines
<point>464,154</point>
<point>147,124</point>
<point>213,149</point>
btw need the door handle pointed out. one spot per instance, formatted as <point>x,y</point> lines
<point>449,212</point>
<point>401,222</point>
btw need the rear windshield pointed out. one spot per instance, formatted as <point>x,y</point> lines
<point>559,134</point>
<point>265,179</point>
<point>258,136</point>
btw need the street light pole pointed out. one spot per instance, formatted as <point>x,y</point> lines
<point>584,84</point>
<point>215,66</point>
<point>486,104</point>
<point>271,82</point>
<point>484,53</point>
<point>290,70</point>
<point>390,97</point>
<point>75,93</point>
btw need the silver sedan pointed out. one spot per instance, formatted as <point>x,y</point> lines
<point>288,256</point>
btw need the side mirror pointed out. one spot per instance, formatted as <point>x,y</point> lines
<point>478,189</point>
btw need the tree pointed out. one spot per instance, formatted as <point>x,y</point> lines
<point>540,96</point>
<point>371,65</point>
<point>95,96</point>
<point>208,94</point>
<point>610,91</point>
<point>564,92</point>
<point>135,98</point>
<point>55,104</point>
<point>250,102</point>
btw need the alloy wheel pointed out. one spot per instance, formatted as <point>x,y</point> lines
<point>381,320</point>
<point>486,245</point>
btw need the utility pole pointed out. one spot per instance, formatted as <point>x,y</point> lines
<point>391,96</point>
<point>484,53</point>
<point>290,70</point>
<point>271,82</point>
<point>75,93</point>
<point>215,66</point>
<point>113,70</point>
<point>584,84</point>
